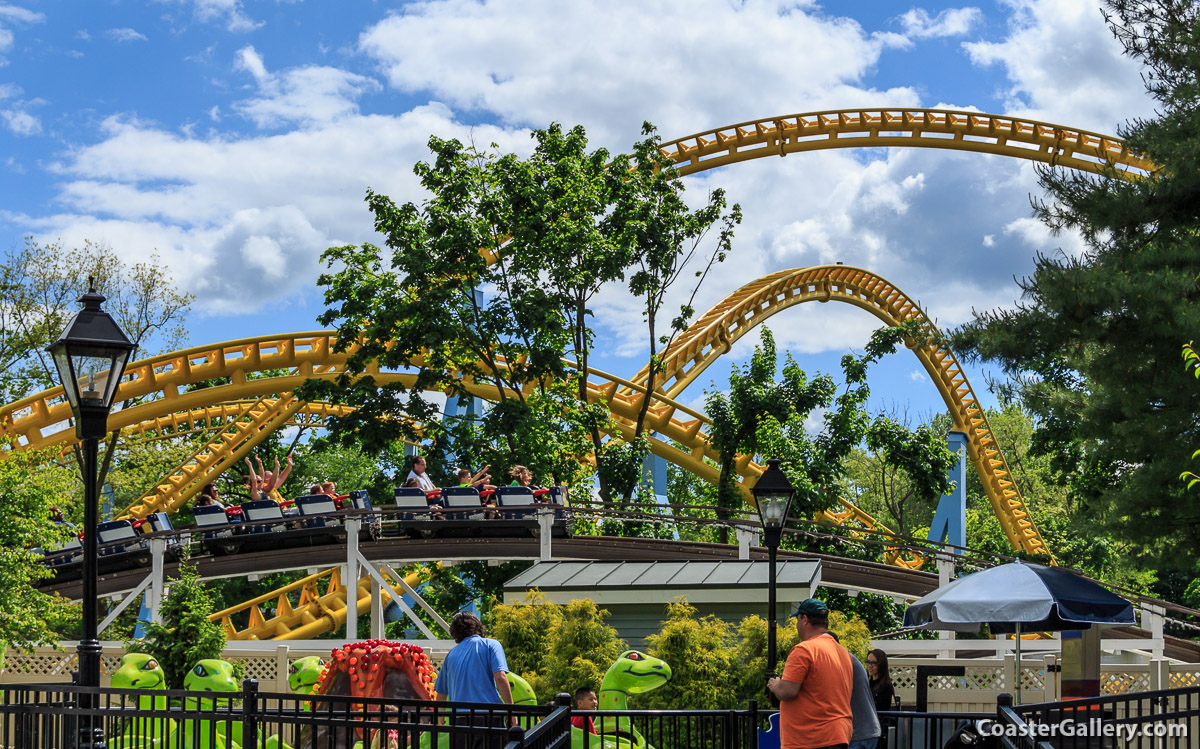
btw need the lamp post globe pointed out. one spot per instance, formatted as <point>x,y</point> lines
<point>90,356</point>
<point>773,495</point>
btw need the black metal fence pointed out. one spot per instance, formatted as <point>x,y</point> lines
<point>40,716</point>
<point>1164,719</point>
<point>60,716</point>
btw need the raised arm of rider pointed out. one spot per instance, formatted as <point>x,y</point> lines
<point>287,471</point>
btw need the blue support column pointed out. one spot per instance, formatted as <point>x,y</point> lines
<point>143,618</point>
<point>950,522</point>
<point>654,480</point>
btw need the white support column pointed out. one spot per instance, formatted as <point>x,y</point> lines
<point>1152,620</point>
<point>129,598</point>
<point>545,518</point>
<point>412,615</point>
<point>746,537</point>
<point>158,550</point>
<point>945,568</point>
<point>353,525</point>
<point>376,610</point>
<point>1011,674</point>
<point>1050,678</point>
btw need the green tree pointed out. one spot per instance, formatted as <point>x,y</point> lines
<point>582,647</point>
<point>762,418</point>
<point>1086,350</point>
<point>418,304</point>
<point>525,631</point>
<point>30,484</point>
<point>663,234</point>
<point>541,235</point>
<point>556,648</point>
<point>751,657</point>
<point>41,285</point>
<point>185,634</point>
<point>702,657</point>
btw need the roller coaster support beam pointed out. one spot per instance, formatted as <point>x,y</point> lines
<point>355,560</point>
<point>950,521</point>
<point>545,518</point>
<point>353,526</point>
<point>747,536</point>
<point>946,573</point>
<point>151,586</point>
<point>410,590</point>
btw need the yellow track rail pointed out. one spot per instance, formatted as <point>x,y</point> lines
<point>717,330</point>
<point>209,418</point>
<point>301,611</point>
<point>905,128</point>
<point>714,333</point>
<point>308,354</point>
<point>233,441</point>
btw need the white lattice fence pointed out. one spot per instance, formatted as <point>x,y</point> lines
<point>1184,676</point>
<point>1124,682</point>
<point>256,667</point>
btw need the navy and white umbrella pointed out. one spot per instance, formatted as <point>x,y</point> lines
<point>1019,597</point>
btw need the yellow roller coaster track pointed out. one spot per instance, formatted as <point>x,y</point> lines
<point>224,448</point>
<point>312,613</point>
<point>312,353</point>
<point>209,418</point>
<point>240,425</point>
<point>905,128</point>
<point>308,354</point>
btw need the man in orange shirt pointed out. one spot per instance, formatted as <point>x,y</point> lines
<point>814,691</point>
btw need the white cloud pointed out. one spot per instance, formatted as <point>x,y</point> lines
<point>1064,66</point>
<point>125,35</point>
<point>612,65</point>
<point>304,95</point>
<point>21,122</point>
<point>13,14</point>
<point>15,116</point>
<point>989,240</point>
<point>917,375</point>
<point>228,12</point>
<point>919,24</point>
<point>16,14</point>
<point>261,209</point>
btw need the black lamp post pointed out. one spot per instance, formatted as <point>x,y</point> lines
<point>90,355</point>
<point>773,496</point>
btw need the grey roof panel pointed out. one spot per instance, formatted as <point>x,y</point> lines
<point>722,574</point>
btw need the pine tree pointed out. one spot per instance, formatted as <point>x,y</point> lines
<point>1093,347</point>
<point>185,634</point>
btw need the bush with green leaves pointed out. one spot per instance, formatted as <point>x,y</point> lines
<point>185,635</point>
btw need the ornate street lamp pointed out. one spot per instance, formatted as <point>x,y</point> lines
<point>773,496</point>
<point>90,355</point>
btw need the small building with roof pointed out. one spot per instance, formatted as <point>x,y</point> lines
<point>636,593</point>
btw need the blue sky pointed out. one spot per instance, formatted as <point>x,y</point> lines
<point>236,139</point>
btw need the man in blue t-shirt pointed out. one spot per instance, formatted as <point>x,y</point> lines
<point>475,670</point>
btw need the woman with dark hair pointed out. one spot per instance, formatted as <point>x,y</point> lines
<point>881,689</point>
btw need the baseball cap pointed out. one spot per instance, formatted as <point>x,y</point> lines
<point>811,607</point>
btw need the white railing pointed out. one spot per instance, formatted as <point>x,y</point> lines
<point>265,661</point>
<point>986,678</point>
